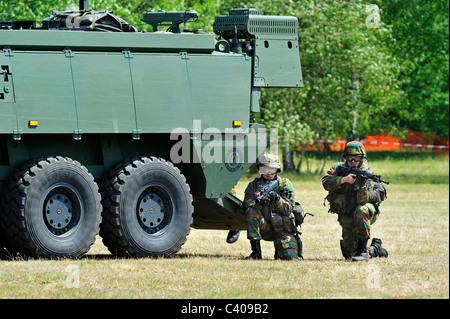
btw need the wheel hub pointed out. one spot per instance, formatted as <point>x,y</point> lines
<point>151,210</point>
<point>58,211</point>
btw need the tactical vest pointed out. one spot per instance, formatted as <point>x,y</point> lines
<point>344,201</point>
<point>291,223</point>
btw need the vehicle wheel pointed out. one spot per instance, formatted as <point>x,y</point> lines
<point>147,209</point>
<point>51,208</point>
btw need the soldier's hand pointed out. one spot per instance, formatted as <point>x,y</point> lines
<point>350,178</point>
<point>274,197</point>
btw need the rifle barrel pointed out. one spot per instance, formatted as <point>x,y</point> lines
<point>357,171</point>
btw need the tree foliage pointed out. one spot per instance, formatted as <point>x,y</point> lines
<point>421,32</point>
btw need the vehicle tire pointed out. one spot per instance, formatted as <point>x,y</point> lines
<point>147,208</point>
<point>51,208</point>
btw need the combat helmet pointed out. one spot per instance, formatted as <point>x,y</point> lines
<point>354,148</point>
<point>269,160</point>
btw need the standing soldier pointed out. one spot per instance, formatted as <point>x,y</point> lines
<point>271,218</point>
<point>356,200</point>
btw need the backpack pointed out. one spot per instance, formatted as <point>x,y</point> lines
<point>290,223</point>
<point>378,194</point>
<point>341,202</point>
<point>86,20</point>
<point>299,214</point>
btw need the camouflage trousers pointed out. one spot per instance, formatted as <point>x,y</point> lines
<point>258,227</point>
<point>356,226</point>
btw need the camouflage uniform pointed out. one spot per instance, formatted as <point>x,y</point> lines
<point>258,217</point>
<point>356,221</point>
<point>360,211</point>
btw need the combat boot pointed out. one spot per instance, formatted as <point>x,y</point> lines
<point>233,236</point>
<point>256,250</point>
<point>376,250</point>
<point>361,253</point>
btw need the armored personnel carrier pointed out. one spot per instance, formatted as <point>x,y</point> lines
<point>136,136</point>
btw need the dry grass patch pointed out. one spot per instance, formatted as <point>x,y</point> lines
<point>414,227</point>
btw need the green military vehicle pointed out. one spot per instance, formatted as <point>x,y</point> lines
<point>133,136</point>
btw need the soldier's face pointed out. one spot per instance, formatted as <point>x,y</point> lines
<point>353,160</point>
<point>269,176</point>
<point>268,172</point>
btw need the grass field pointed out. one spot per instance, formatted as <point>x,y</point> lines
<point>414,227</point>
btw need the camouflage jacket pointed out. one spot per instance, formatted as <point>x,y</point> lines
<point>330,182</point>
<point>286,202</point>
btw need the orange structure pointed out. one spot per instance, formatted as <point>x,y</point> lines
<point>380,142</point>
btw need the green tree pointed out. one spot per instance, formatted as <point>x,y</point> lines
<point>368,65</point>
<point>421,32</point>
<point>349,76</point>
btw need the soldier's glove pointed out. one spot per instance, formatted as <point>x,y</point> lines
<point>274,197</point>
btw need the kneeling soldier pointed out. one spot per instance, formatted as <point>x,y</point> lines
<point>269,202</point>
<point>356,200</point>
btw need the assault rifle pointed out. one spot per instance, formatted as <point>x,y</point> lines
<point>265,190</point>
<point>360,173</point>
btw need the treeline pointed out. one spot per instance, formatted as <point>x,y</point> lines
<point>369,66</point>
